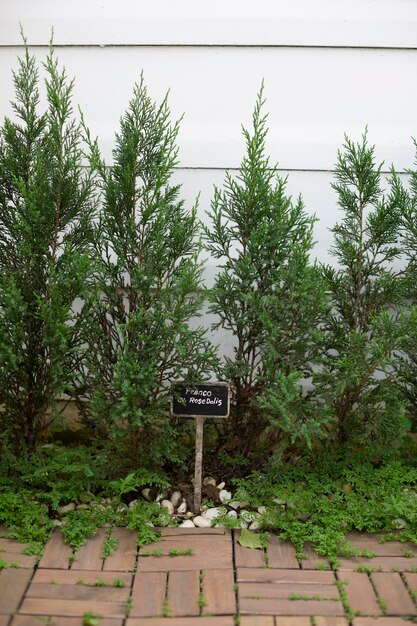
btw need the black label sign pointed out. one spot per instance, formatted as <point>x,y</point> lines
<point>210,400</point>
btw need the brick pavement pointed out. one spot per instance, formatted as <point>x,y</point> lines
<point>203,576</point>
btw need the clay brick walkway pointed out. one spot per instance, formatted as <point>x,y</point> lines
<point>204,577</point>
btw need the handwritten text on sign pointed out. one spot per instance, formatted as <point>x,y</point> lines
<point>210,400</point>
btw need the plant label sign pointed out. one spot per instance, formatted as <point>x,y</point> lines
<point>200,402</point>
<point>207,400</point>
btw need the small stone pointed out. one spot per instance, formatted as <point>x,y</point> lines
<point>160,497</point>
<point>209,481</point>
<point>262,509</point>
<point>189,514</point>
<point>248,516</point>
<point>57,523</point>
<point>221,486</point>
<point>201,522</point>
<point>187,524</point>
<point>225,496</point>
<point>399,523</point>
<point>243,524</point>
<point>167,504</point>
<point>278,501</point>
<point>121,508</point>
<point>82,506</point>
<point>303,518</point>
<point>255,525</point>
<point>133,503</point>
<point>212,513</point>
<point>175,498</point>
<point>63,510</point>
<point>182,508</point>
<point>232,514</point>
<point>149,524</point>
<point>236,504</point>
<point>147,494</point>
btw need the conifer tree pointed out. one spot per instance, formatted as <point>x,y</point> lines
<point>363,329</point>
<point>45,205</point>
<point>142,334</point>
<point>269,296</point>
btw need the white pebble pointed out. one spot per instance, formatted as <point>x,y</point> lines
<point>82,506</point>
<point>57,522</point>
<point>209,481</point>
<point>262,509</point>
<point>146,494</point>
<point>132,504</point>
<point>221,486</point>
<point>255,525</point>
<point>212,513</point>
<point>167,504</point>
<point>278,501</point>
<point>244,524</point>
<point>247,515</point>
<point>399,523</point>
<point>225,496</point>
<point>232,514</point>
<point>187,524</point>
<point>66,509</point>
<point>201,522</point>
<point>236,504</point>
<point>182,508</point>
<point>175,498</point>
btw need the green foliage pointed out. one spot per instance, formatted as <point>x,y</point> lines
<point>363,329</point>
<point>145,292</point>
<point>46,203</point>
<point>136,479</point>
<point>249,539</point>
<point>270,298</point>
<point>25,518</point>
<point>321,509</point>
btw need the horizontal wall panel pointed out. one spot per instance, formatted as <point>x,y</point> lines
<point>359,23</point>
<point>313,97</point>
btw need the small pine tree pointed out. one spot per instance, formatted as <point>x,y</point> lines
<point>363,329</point>
<point>270,298</point>
<point>147,289</point>
<point>406,363</point>
<point>45,205</point>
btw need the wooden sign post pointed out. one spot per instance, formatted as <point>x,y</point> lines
<point>200,402</point>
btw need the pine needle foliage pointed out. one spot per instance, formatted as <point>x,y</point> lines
<point>46,201</point>
<point>268,296</point>
<point>147,288</point>
<point>363,330</point>
<point>406,364</point>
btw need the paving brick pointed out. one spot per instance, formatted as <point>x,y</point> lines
<point>392,591</point>
<point>360,593</point>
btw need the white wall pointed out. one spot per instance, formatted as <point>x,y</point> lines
<point>330,66</point>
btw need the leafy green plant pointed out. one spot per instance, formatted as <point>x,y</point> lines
<point>46,204</point>
<point>146,290</point>
<point>270,298</point>
<point>363,329</point>
<point>180,552</point>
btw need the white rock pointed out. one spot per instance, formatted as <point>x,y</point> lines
<point>66,509</point>
<point>182,508</point>
<point>278,501</point>
<point>187,524</point>
<point>255,525</point>
<point>209,481</point>
<point>399,523</point>
<point>212,513</point>
<point>221,486</point>
<point>262,509</point>
<point>232,514</point>
<point>235,504</point>
<point>57,522</point>
<point>121,508</point>
<point>201,522</point>
<point>225,496</point>
<point>175,498</point>
<point>244,524</point>
<point>82,506</point>
<point>189,514</point>
<point>132,504</point>
<point>247,515</point>
<point>146,494</point>
<point>149,524</point>
<point>167,504</point>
